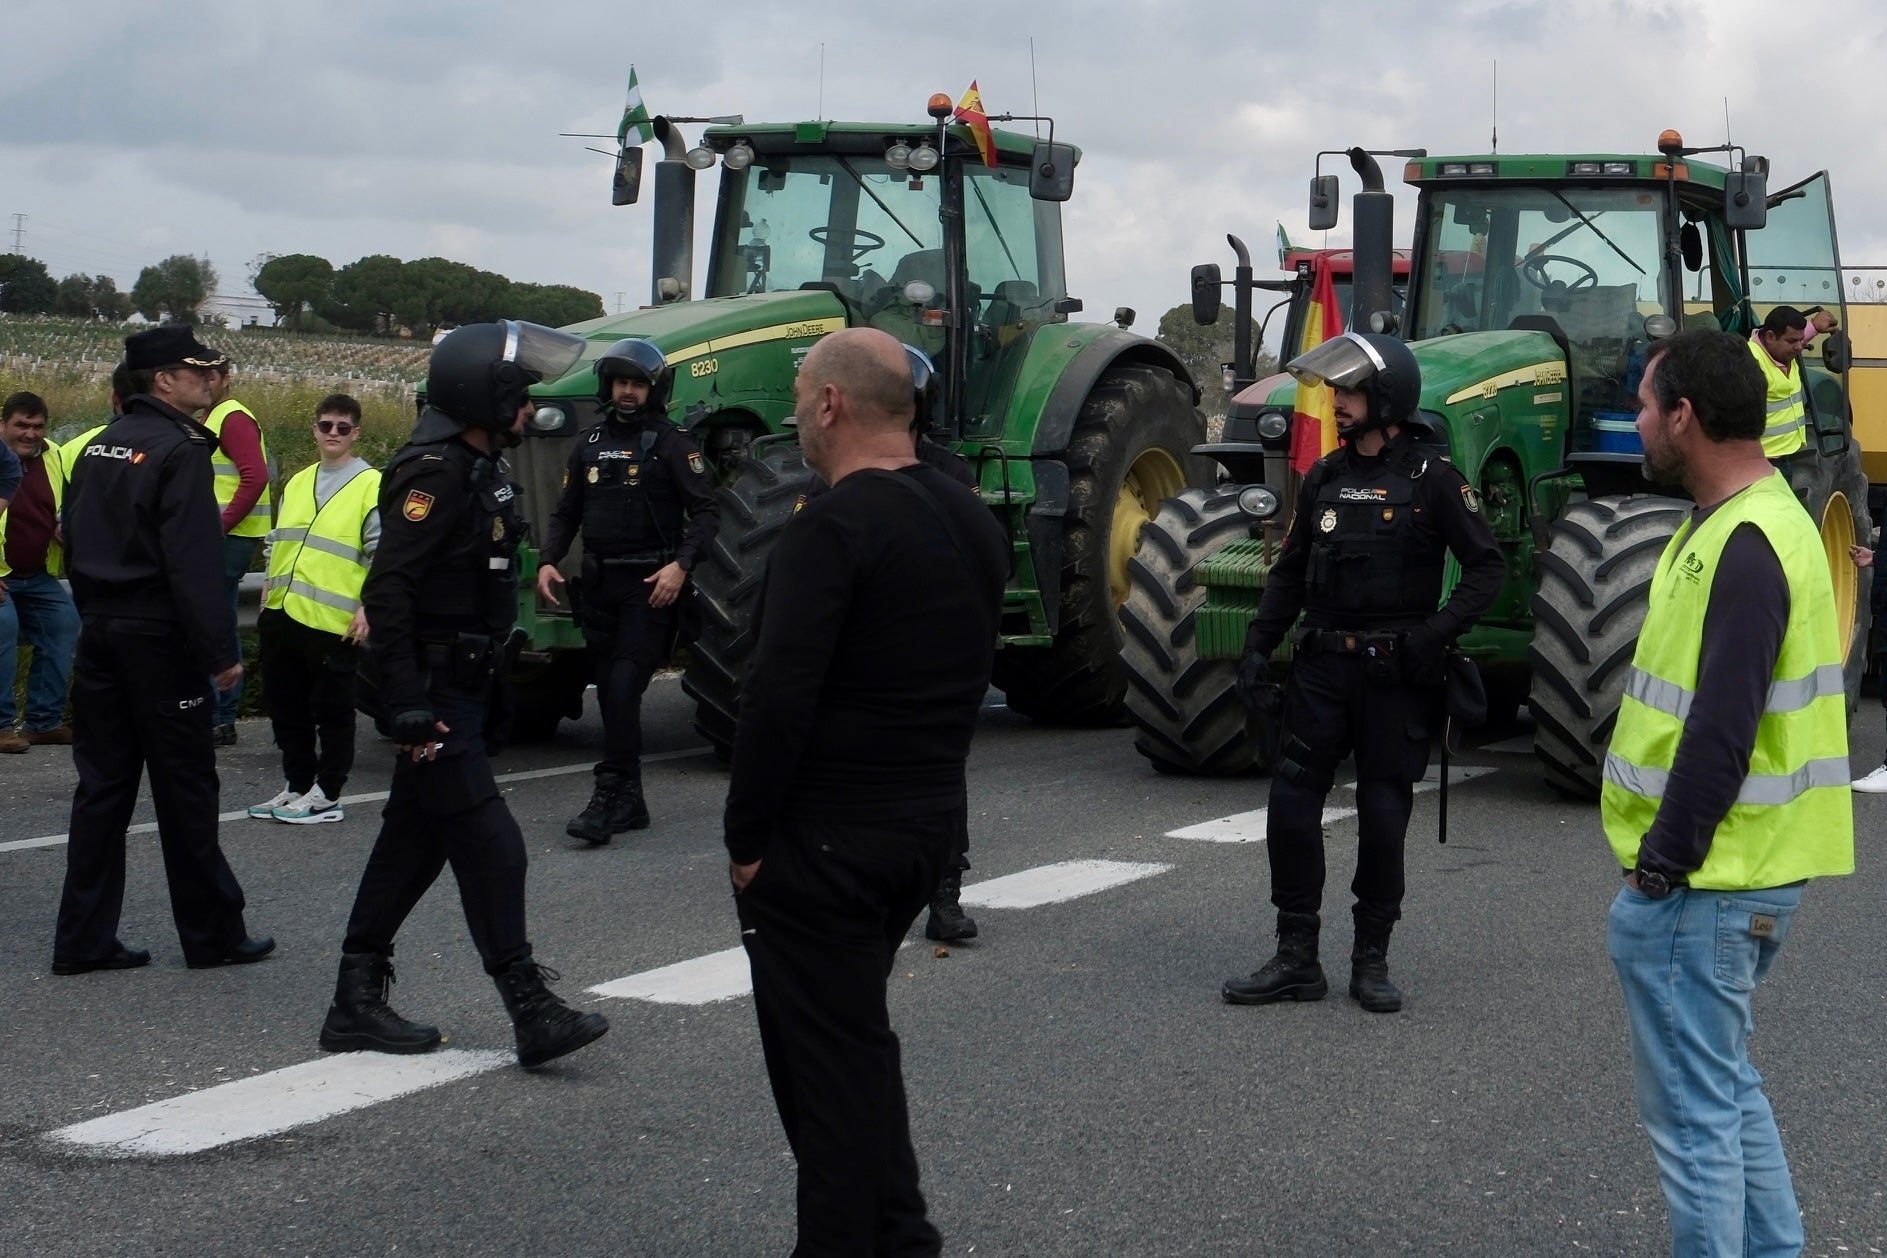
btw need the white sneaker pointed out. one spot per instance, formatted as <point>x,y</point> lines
<point>265,810</point>
<point>1874,783</point>
<point>310,809</point>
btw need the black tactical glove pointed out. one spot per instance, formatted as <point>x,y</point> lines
<point>1424,653</point>
<point>1256,690</point>
<point>413,727</point>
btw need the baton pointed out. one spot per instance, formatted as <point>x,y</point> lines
<point>1442,835</point>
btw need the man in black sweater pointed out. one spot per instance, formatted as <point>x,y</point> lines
<point>877,629</point>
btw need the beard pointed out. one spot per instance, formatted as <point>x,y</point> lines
<point>1663,467</point>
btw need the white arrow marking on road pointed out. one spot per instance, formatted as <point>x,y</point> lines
<point>265,1104</point>
<point>1249,827</point>
<point>371,797</point>
<point>1051,884</point>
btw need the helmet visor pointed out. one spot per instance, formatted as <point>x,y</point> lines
<point>921,367</point>
<point>543,353</point>
<point>1344,362</point>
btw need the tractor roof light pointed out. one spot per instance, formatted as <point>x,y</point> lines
<point>1260,502</point>
<point>1452,168</point>
<point>924,157</point>
<point>1601,168</point>
<point>1480,168</point>
<point>699,158</point>
<point>940,106</point>
<point>1670,143</point>
<point>739,157</point>
<point>898,156</point>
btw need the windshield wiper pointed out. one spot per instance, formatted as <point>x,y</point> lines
<point>866,188</point>
<point>1595,228</point>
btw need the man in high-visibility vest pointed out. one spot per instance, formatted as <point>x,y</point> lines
<point>1725,791</point>
<point>241,464</point>
<point>311,626</point>
<point>1776,346</point>
<point>34,606</point>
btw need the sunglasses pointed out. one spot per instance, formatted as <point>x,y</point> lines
<point>340,426</point>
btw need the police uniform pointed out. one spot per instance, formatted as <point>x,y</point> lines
<point>441,596</point>
<point>143,547</point>
<point>1363,561</point>
<point>638,489</point>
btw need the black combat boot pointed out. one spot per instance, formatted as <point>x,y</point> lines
<point>948,922</point>
<point>1369,971</point>
<point>615,807</point>
<point>360,1017</point>
<point>1292,974</point>
<point>547,1028</point>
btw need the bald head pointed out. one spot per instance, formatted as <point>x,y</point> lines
<point>870,370</point>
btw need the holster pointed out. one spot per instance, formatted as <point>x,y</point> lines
<point>465,662</point>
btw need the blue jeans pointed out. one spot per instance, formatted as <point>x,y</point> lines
<point>1688,964</point>
<point>39,611</point>
<point>238,554</point>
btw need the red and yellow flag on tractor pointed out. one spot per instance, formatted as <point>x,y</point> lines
<point>1314,423</point>
<point>969,112</point>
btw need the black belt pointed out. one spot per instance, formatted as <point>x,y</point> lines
<point>1347,641</point>
<point>658,559</point>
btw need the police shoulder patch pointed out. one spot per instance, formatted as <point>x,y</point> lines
<point>697,464</point>
<point>417,506</point>
<point>1471,498</point>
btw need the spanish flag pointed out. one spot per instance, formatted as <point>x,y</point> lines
<point>969,112</point>
<point>1314,421</point>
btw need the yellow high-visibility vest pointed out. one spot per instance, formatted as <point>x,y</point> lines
<point>1786,429</point>
<point>1794,816</point>
<point>229,479</point>
<point>56,477</point>
<point>316,561</point>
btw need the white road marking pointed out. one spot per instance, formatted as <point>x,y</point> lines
<point>371,797</point>
<point>698,981</point>
<point>1249,827</point>
<point>1051,884</point>
<point>263,1105</point>
<point>1518,745</point>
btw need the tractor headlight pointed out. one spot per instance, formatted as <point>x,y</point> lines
<point>549,417</point>
<point>1260,502</point>
<point>1272,425</point>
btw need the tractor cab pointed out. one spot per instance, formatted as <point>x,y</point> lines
<point>911,231</point>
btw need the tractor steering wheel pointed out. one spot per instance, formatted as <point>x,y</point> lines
<point>863,242</point>
<point>1533,271</point>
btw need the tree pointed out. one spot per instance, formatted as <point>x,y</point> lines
<point>87,297</point>
<point>175,289</point>
<point>26,286</point>
<point>294,284</point>
<point>554,305</point>
<point>365,294</point>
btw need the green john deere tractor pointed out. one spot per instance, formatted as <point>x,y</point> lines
<point>1537,284</point>
<point>1077,431</point>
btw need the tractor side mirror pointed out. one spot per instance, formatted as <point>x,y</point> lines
<point>1205,293</point>
<point>1323,203</point>
<point>1836,351</point>
<point>1052,171</point>
<point>1690,243</point>
<point>1745,200</point>
<point>627,183</point>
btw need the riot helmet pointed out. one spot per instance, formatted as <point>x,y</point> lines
<point>926,400</point>
<point>1378,366</point>
<point>480,374</point>
<point>636,359</point>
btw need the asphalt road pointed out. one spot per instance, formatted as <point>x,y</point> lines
<point>1077,1087</point>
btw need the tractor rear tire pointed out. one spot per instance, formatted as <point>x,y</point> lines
<point>1837,502</point>
<point>767,488</point>
<point>1595,587</point>
<point>1131,448</point>
<point>1186,709</point>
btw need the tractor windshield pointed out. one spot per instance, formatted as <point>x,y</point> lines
<point>850,225</point>
<point>1583,263</point>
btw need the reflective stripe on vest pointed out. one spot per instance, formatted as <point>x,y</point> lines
<point>55,477</point>
<point>316,563</point>
<point>229,477</point>
<point>1794,816</point>
<point>1785,431</point>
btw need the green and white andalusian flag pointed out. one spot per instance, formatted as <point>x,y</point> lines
<point>635,116</point>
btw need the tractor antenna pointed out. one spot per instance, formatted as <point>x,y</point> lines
<point>1034,89</point>
<point>1726,124</point>
<point>1494,144</point>
<point>822,81</point>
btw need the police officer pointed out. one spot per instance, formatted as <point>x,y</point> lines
<point>442,599</point>
<point>638,489</point>
<point>143,549</point>
<point>1363,561</point>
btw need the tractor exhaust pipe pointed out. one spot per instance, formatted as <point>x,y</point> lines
<point>674,244</point>
<point>1374,250</point>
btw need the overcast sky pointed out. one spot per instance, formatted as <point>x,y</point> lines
<point>130,131</point>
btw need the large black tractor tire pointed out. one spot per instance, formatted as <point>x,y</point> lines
<point>1130,449</point>
<point>1185,709</point>
<point>1837,502</point>
<point>1595,586</point>
<point>551,693</point>
<point>767,488</point>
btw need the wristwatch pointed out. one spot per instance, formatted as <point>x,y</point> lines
<point>1653,883</point>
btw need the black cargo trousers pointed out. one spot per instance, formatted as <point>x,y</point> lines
<point>1336,703</point>
<point>627,640</point>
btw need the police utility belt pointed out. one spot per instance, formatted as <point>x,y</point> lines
<point>640,559</point>
<point>1380,649</point>
<point>465,661</point>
